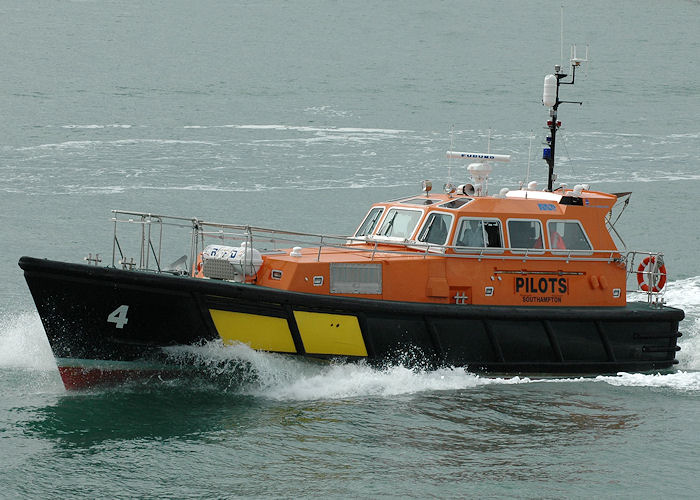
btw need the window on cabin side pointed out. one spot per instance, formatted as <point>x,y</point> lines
<point>399,223</point>
<point>479,233</point>
<point>435,229</point>
<point>567,235</point>
<point>370,222</point>
<point>492,228</point>
<point>525,234</point>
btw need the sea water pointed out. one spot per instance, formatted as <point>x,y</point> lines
<point>298,115</point>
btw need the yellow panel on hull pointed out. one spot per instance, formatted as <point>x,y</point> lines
<point>330,334</point>
<point>264,333</point>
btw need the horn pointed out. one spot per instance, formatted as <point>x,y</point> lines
<point>468,189</point>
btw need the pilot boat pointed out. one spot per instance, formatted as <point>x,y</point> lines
<point>524,281</point>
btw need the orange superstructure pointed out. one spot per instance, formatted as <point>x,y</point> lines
<point>578,268</point>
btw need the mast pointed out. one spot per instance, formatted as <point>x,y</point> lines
<point>550,98</point>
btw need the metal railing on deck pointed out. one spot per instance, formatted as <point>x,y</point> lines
<point>650,274</point>
<point>150,241</point>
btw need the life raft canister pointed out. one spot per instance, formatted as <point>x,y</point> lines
<point>648,263</point>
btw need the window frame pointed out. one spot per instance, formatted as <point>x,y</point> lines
<point>520,250</point>
<point>381,209</point>
<point>379,237</point>
<point>425,222</point>
<point>484,249</point>
<point>566,251</point>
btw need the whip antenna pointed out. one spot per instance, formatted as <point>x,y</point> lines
<point>561,37</point>
<point>452,147</point>
<point>529,156</point>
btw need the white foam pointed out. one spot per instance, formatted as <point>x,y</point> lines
<point>302,128</point>
<point>95,126</point>
<point>23,343</point>
<point>82,126</point>
<point>326,111</point>
<point>258,187</point>
<point>684,294</point>
<point>341,381</point>
<point>694,135</point>
<point>121,142</point>
<point>61,145</point>
<point>157,141</point>
<point>680,381</point>
<point>689,355</point>
<point>282,377</point>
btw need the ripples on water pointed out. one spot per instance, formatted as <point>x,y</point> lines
<point>327,425</point>
<point>235,158</point>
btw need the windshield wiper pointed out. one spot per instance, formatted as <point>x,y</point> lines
<point>390,224</point>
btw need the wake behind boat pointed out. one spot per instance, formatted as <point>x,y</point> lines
<point>523,281</point>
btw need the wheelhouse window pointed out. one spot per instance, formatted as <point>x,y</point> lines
<point>479,233</point>
<point>567,235</point>
<point>436,228</point>
<point>370,222</point>
<point>525,234</point>
<point>399,223</point>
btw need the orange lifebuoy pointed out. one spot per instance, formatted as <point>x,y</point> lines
<point>642,271</point>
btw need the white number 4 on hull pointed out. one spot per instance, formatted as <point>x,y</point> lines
<point>118,316</point>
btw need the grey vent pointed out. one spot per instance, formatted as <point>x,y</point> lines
<point>356,278</point>
<point>220,269</point>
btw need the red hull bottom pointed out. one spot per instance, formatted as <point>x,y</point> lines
<point>76,377</point>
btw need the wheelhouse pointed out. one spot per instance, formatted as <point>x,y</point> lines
<point>485,225</point>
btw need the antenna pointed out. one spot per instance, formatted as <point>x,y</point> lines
<point>550,98</point>
<point>561,37</point>
<point>529,155</point>
<point>479,170</point>
<point>452,146</point>
<point>576,61</point>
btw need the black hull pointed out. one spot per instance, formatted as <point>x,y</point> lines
<point>75,302</point>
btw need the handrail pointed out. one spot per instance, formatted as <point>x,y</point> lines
<point>656,274</point>
<point>368,247</point>
<point>421,249</point>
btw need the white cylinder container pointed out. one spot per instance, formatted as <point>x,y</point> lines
<point>549,95</point>
<point>247,259</point>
